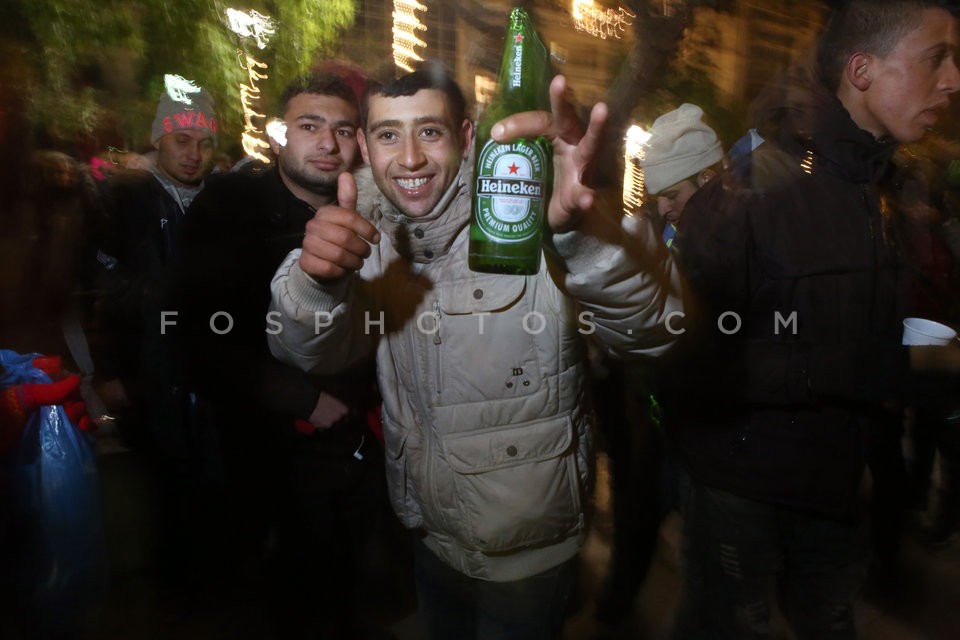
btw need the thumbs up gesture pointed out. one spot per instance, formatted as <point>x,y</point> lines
<point>338,238</point>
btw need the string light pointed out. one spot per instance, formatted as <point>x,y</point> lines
<point>634,146</point>
<point>258,27</point>
<point>277,130</point>
<point>807,163</point>
<point>179,88</point>
<point>249,96</point>
<point>598,22</point>
<point>251,25</point>
<point>405,28</point>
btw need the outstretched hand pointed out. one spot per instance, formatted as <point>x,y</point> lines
<point>573,151</point>
<point>337,239</point>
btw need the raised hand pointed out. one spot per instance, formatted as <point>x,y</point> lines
<point>338,238</point>
<point>573,151</point>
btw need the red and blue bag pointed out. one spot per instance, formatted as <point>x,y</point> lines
<point>51,527</point>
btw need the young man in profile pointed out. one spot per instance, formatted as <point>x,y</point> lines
<point>777,410</point>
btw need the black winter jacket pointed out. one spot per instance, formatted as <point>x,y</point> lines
<point>136,254</point>
<point>791,244</point>
<point>236,233</point>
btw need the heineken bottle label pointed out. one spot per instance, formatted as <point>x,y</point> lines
<point>510,190</point>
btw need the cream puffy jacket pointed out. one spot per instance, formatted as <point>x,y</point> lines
<point>487,428</point>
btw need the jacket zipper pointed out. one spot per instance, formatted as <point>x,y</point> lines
<point>433,506</point>
<point>437,341</point>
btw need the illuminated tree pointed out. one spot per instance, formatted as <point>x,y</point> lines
<point>658,31</point>
<point>98,65</point>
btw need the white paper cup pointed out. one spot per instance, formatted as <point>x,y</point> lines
<point>923,331</point>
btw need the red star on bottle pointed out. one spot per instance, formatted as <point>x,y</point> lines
<point>513,168</point>
<point>518,38</point>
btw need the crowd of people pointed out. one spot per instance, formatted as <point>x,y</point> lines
<point>299,355</point>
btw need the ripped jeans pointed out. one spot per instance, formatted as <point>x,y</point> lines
<point>740,556</point>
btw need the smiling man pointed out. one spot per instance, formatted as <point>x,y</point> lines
<point>486,426</point>
<point>415,148</point>
<point>776,420</point>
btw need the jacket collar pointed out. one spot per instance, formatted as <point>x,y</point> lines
<point>807,120</point>
<point>428,237</point>
<point>285,207</point>
<point>183,196</point>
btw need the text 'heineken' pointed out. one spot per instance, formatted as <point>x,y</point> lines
<point>512,181</point>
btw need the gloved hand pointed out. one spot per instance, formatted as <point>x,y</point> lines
<point>18,401</point>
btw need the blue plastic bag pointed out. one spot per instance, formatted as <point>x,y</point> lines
<point>52,512</point>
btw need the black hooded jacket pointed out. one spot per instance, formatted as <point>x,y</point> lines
<point>788,253</point>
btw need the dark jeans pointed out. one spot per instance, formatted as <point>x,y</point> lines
<point>740,555</point>
<point>333,515</point>
<point>453,605</point>
<point>643,484</point>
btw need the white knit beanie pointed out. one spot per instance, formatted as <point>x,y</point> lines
<point>680,146</point>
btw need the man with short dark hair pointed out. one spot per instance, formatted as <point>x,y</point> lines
<point>320,116</point>
<point>487,433</point>
<point>793,359</point>
<point>298,451</point>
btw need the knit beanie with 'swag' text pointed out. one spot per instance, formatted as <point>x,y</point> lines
<point>188,111</point>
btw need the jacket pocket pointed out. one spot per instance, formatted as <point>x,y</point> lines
<point>399,486</point>
<point>481,294</point>
<point>486,344</point>
<point>515,486</point>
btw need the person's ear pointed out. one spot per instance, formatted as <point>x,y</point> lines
<point>705,176</point>
<point>466,136</point>
<point>362,141</point>
<point>857,71</point>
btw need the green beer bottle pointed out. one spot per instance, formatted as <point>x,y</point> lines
<point>512,182</point>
